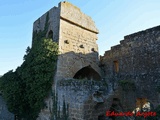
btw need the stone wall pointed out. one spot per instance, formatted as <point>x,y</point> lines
<point>136,59</point>
<point>82,105</point>
<point>78,94</point>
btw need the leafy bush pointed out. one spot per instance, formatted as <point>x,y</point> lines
<point>26,88</point>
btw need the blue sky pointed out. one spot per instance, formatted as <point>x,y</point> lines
<point>113,18</point>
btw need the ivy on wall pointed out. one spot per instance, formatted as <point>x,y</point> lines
<point>25,89</point>
<point>56,113</point>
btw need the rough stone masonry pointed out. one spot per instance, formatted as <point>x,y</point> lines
<point>85,87</point>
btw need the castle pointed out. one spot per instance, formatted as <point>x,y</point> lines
<point>125,78</point>
<point>130,69</point>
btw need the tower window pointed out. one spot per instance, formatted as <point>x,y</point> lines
<point>50,34</point>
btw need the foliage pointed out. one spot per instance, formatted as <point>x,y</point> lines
<point>127,85</point>
<point>12,87</point>
<point>25,89</point>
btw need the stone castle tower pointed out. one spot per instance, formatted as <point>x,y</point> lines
<point>76,36</point>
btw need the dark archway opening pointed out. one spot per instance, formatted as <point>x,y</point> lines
<point>50,34</point>
<point>87,73</point>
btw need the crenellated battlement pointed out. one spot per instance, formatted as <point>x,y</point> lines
<point>136,40</point>
<point>143,32</point>
<point>136,59</point>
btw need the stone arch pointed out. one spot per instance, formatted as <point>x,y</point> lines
<point>82,63</point>
<point>87,73</point>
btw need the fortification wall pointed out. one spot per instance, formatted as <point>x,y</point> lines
<point>136,58</point>
<point>78,97</point>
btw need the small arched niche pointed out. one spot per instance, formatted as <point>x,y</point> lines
<point>87,73</point>
<point>50,34</point>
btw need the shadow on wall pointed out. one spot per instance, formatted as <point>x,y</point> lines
<point>78,66</point>
<point>79,63</point>
<point>87,73</point>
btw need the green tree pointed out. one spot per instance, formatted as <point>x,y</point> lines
<point>26,88</point>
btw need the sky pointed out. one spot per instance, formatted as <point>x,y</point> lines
<point>114,19</point>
